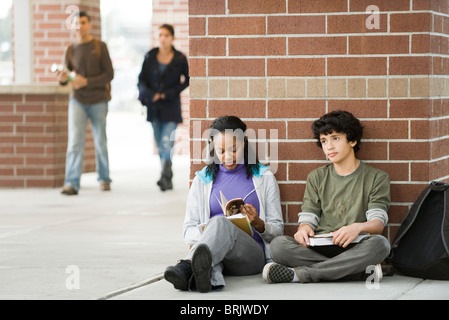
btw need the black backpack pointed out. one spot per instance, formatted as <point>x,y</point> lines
<point>421,245</point>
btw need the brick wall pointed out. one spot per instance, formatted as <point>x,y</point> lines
<point>281,64</point>
<point>33,136</point>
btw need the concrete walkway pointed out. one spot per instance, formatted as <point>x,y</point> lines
<point>116,245</point>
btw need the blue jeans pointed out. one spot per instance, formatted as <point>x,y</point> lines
<point>164,134</point>
<point>78,115</point>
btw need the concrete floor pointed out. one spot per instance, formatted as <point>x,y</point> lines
<point>116,245</point>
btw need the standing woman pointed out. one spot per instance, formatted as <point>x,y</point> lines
<point>164,75</point>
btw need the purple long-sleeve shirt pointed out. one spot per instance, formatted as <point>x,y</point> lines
<point>233,184</point>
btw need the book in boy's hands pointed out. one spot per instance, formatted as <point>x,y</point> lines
<point>326,239</point>
<point>231,210</point>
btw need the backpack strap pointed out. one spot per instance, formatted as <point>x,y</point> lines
<point>445,222</point>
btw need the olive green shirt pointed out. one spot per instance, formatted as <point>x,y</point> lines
<point>338,201</point>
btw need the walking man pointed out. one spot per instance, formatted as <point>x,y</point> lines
<point>91,73</point>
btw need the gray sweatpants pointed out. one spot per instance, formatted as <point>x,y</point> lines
<point>233,251</point>
<point>312,266</point>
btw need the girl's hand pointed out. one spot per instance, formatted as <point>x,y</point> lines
<point>253,217</point>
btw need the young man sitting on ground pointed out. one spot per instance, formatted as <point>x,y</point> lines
<point>345,198</point>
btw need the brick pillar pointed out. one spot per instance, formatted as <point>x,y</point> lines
<point>175,12</point>
<point>281,64</point>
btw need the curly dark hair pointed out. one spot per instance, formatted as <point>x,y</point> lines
<point>339,121</point>
<point>238,127</point>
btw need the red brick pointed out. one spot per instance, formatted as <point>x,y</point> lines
<point>9,99</point>
<point>257,46</point>
<point>361,108</point>
<point>11,160</point>
<point>409,65</point>
<point>296,67</point>
<point>30,172</point>
<point>252,7</point>
<point>391,129</point>
<point>12,183</point>
<point>317,6</point>
<point>6,172</point>
<point>300,129</point>
<point>378,44</point>
<point>264,128</point>
<point>406,192</point>
<point>197,26</point>
<point>29,150</point>
<point>41,183</point>
<point>6,129</point>
<point>355,66</point>
<point>296,24</point>
<point>383,5</point>
<point>198,108</point>
<point>11,118</point>
<point>29,129</point>
<point>207,46</point>
<point>292,192</point>
<point>316,45</point>
<point>419,129</point>
<point>236,25</point>
<point>300,171</point>
<point>300,151</point>
<point>411,22</point>
<point>412,150</point>
<point>421,43</point>
<point>236,67</point>
<point>413,108</point>
<point>439,148</point>
<point>280,171</point>
<point>396,171</point>
<point>201,7</point>
<point>354,24</point>
<point>44,7</point>
<point>6,149</point>
<point>373,151</point>
<point>419,171</point>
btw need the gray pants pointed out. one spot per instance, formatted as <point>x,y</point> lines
<point>313,266</point>
<point>233,251</point>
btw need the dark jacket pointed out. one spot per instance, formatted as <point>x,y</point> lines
<point>151,81</point>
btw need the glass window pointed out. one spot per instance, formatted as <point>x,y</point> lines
<point>6,64</point>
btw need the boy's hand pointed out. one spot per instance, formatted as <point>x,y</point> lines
<point>302,235</point>
<point>79,82</point>
<point>345,235</point>
<point>62,76</point>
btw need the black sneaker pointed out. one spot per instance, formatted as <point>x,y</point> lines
<point>179,275</point>
<point>277,273</point>
<point>201,265</point>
